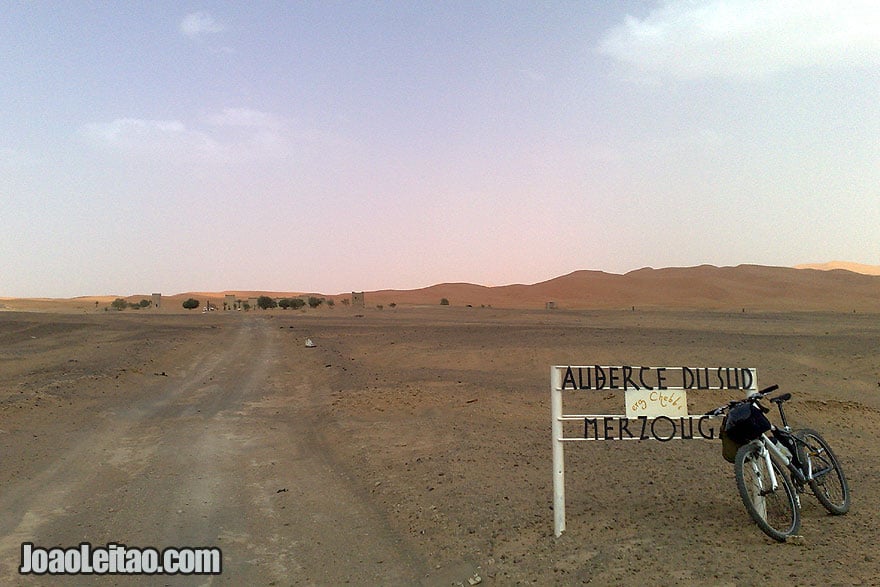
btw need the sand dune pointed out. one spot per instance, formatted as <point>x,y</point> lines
<point>749,287</point>
<point>741,288</point>
<point>845,265</point>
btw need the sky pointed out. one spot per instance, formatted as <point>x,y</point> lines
<point>348,146</point>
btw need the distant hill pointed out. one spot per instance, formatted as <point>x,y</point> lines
<point>745,287</point>
<point>752,287</point>
<point>845,265</point>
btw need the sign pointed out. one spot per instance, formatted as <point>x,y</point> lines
<point>654,402</point>
<point>628,377</point>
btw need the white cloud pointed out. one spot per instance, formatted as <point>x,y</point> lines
<point>223,136</point>
<point>199,23</point>
<point>159,136</point>
<point>258,127</point>
<point>227,135</point>
<point>746,38</point>
<point>243,117</point>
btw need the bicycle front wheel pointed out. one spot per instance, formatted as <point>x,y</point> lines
<point>828,483</point>
<point>774,509</point>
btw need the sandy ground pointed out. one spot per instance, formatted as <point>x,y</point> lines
<point>412,446</point>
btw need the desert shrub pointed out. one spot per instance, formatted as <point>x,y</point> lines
<point>444,302</point>
<point>295,303</point>
<point>144,303</point>
<point>330,303</point>
<point>191,304</point>
<point>265,302</point>
<point>315,302</point>
<point>119,304</point>
<point>392,305</point>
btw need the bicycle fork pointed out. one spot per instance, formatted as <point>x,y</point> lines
<point>768,461</point>
<point>768,447</point>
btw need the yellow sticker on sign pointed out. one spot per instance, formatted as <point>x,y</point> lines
<point>656,402</point>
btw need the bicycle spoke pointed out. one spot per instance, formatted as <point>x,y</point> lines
<point>773,509</point>
<point>828,482</point>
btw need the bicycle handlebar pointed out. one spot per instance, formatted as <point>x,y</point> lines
<point>751,399</point>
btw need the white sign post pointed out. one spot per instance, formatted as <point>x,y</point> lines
<point>655,408</point>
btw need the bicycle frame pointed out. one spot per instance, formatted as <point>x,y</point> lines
<point>777,452</point>
<point>770,451</point>
<point>800,475</point>
<point>801,472</point>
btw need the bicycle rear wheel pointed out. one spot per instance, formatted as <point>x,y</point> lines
<point>829,484</point>
<point>775,510</point>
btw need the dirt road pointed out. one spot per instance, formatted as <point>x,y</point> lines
<point>412,446</point>
<point>215,445</point>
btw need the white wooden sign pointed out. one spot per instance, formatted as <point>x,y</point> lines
<point>654,408</point>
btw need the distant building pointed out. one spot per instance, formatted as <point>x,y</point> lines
<point>229,302</point>
<point>156,298</point>
<point>357,299</point>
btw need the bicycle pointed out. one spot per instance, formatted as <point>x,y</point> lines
<point>771,496</point>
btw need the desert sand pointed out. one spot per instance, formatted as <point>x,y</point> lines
<point>737,289</point>
<point>412,444</point>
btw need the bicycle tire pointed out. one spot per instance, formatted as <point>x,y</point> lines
<point>829,484</point>
<point>776,512</point>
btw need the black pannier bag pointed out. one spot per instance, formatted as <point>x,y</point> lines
<point>742,424</point>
